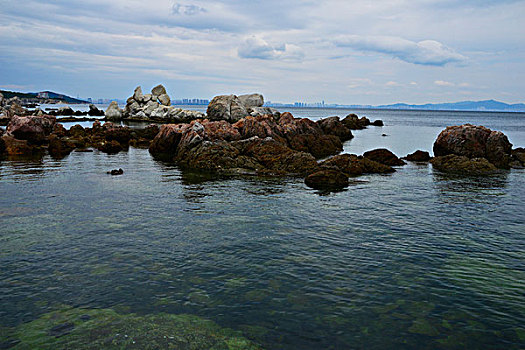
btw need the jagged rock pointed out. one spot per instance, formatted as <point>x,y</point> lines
<point>327,179</point>
<point>164,99</point>
<point>353,165</point>
<point>113,112</point>
<point>418,156</point>
<point>333,126</point>
<point>252,100</point>
<point>158,90</point>
<point>463,165</point>
<point>353,122</point>
<point>137,94</point>
<point>34,129</point>
<point>226,107</point>
<point>94,111</point>
<point>383,156</point>
<point>474,142</point>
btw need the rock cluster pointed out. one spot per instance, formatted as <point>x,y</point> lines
<point>472,143</point>
<point>9,108</point>
<point>233,108</point>
<point>152,107</point>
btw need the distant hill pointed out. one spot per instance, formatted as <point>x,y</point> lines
<point>40,97</point>
<point>488,105</point>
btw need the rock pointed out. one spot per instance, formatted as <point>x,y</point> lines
<point>59,147</point>
<point>59,130</point>
<point>418,156</point>
<point>16,147</point>
<point>327,179</point>
<point>1,99</point>
<point>66,111</point>
<point>158,90</point>
<point>167,140</point>
<point>353,122</point>
<point>34,129</point>
<point>518,154</point>
<point>258,111</point>
<point>352,165</point>
<point>113,112</point>
<point>474,142</point>
<point>219,131</point>
<point>146,98</point>
<point>377,123</point>
<point>94,111</point>
<point>137,94</point>
<point>463,165</point>
<point>110,147</point>
<point>320,146</point>
<point>262,126</point>
<point>164,99</point>
<point>150,107</point>
<point>77,131</point>
<point>121,134</point>
<point>38,112</point>
<point>252,100</point>
<point>383,156</point>
<point>116,172</point>
<point>333,126</point>
<point>226,107</point>
<point>160,113</point>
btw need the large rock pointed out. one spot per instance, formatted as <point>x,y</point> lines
<point>158,90</point>
<point>15,147</point>
<point>474,142</point>
<point>327,179</point>
<point>94,111</point>
<point>34,129</point>
<point>257,111</point>
<point>137,94</point>
<point>353,122</point>
<point>262,126</point>
<point>226,107</point>
<point>333,126</point>
<point>383,156</point>
<point>252,100</point>
<point>164,100</point>
<point>418,156</point>
<point>463,165</point>
<point>113,113</point>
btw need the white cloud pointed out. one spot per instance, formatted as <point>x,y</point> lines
<point>255,47</point>
<point>443,83</point>
<point>426,52</point>
<point>189,10</point>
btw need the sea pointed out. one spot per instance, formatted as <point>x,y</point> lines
<point>416,259</point>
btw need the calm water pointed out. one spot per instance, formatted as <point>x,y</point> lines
<point>410,260</point>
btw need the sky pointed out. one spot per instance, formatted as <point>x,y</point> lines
<point>348,52</point>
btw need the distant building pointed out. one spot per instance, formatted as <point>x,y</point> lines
<point>42,95</point>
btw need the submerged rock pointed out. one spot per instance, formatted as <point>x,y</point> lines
<point>474,142</point>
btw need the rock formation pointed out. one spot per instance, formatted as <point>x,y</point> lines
<point>383,156</point>
<point>233,108</point>
<point>418,156</point>
<point>156,107</point>
<point>472,142</point>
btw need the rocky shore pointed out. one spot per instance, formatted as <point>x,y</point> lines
<point>240,136</point>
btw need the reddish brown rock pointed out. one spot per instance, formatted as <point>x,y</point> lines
<point>474,142</point>
<point>34,129</point>
<point>121,134</point>
<point>219,131</point>
<point>59,147</point>
<point>16,147</point>
<point>327,179</point>
<point>353,165</point>
<point>383,156</point>
<point>167,139</point>
<point>333,126</point>
<point>261,126</point>
<point>320,146</point>
<point>418,156</point>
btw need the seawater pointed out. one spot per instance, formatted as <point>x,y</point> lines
<point>415,259</point>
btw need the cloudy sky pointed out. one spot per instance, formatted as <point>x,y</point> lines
<point>350,52</point>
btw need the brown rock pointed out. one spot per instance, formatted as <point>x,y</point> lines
<point>353,122</point>
<point>122,134</point>
<point>474,142</point>
<point>333,126</point>
<point>418,156</point>
<point>59,147</point>
<point>327,179</point>
<point>353,165</point>
<point>383,156</point>
<point>463,165</point>
<point>518,154</point>
<point>16,147</point>
<point>261,126</point>
<point>34,129</point>
<point>167,139</point>
<point>110,147</point>
<point>320,146</point>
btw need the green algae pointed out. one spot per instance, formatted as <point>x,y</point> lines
<point>76,328</point>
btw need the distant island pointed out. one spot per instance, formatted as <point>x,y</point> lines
<point>47,97</point>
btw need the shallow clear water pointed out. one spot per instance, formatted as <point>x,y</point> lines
<point>414,259</point>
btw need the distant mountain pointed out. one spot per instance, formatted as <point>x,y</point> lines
<point>40,97</point>
<point>488,105</point>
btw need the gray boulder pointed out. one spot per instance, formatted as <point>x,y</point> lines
<point>158,90</point>
<point>252,100</point>
<point>147,98</point>
<point>226,107</point>
<point>256,111</point>
<point>137,95</point>
<point>164,99</point>
<point>150,107</point>
<point>113,112</point>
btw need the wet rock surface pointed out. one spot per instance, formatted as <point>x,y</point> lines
<point>463,165</point>
<point>327,179</point>
<point>384,156</point>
